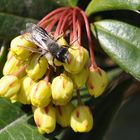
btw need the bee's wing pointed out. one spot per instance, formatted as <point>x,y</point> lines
<point>33,28</point>
<point>38,35</point>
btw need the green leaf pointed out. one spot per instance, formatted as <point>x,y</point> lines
<point>18,124</point>
<point>121,42</point>
<point>34,8</point>
<point>9,112</point>
<point>20,129</point>
<point>10,25</point>
<point>104,5</point>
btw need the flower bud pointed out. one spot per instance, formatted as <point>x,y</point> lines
<point>81,119</point>
<point>9,55</point>
<point>62,89</point>
<point>45,119</point>
<point>24,93</point>
<point>41,94</point>
<point>37,67</point>
<point>78,58</point>
<point>63,114</point>
<point>12,66</point>
<point>97,81</point>
<point>19,47</point>
<point>9,86</point>
<point>80,78</point>
<point>62,42</point>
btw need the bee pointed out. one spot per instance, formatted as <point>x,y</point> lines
<point>47,44</point>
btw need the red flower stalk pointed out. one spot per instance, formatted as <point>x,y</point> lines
<point>68,19</point>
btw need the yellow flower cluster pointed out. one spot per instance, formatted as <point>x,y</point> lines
<point>25,81</point>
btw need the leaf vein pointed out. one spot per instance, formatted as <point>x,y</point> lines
<point>12,123</point>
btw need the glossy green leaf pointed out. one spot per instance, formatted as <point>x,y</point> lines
<point>20,129</point>
<point>32,8</point>
<point>121,42</point>
<point>10,25</point>
<point>9,112</point>
<point>104,5</point>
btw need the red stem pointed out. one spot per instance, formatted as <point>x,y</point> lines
<point>46,79</point>
<point>79,31</point>
<point>65,23</point>
<point>79,97</point>
<point>51,25</point>
<point>68,25</point>
<point>57,31</point>
<point>71,37</point>
<point>93,63</point>
<point>45,23</point>
<point>52,13</point>
<point>74,24</point>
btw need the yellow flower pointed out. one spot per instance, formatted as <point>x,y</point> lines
<point>63,114</point>
<point>80,78</point>
<point>62,89</point>
<point>81,119</point>
<point>19,47</point>
<point>78,59</point>
<point>45,119</point>
<point>13,65</point>
<point>41,94</point>
<point>97,81</point>
<point>9,86</point>
<point>37,67</point>
<point>24,93</point>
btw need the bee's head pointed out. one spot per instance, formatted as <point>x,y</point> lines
<point>63,55</point>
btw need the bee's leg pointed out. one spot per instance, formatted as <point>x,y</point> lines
<point>41,55</point>
<point>65,46</point>
<point>54,66</point>
<point>51,35</point>
<point>53,61</point>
